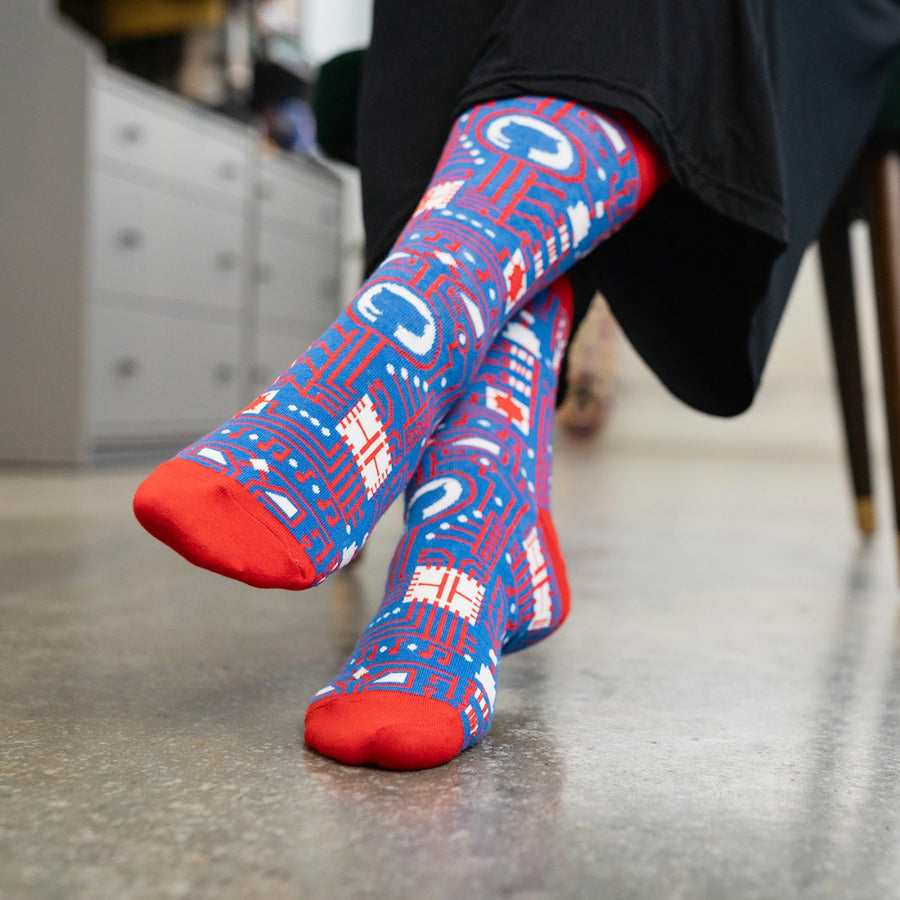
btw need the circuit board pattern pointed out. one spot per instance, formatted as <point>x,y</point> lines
<point>524,188</point>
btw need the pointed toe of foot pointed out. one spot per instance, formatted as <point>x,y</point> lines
<point>215,524</point>
<point>388,729</point>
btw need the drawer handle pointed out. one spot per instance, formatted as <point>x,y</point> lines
<point>328,289</point>
<point>227,261</point>
<point>224,373</point>
<point>229,171</point>
<point>126,367</point>
<point>261,375</point>
<point>132,133</point>
<point>130,238</point>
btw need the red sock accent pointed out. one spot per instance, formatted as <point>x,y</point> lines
<point>557,563</point>
<point>651,163</point>
<point>214,523</point>
<point>389,729</point>
<point>563,288</point>
<point>545,520</point>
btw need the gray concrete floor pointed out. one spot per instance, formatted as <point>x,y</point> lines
<point>719,718</point>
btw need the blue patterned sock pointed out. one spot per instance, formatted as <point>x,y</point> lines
<point>477,572</point>
<point>289,489</point>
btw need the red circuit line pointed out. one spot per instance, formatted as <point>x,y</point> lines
<point>516,171</point>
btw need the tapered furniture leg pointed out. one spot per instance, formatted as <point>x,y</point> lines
<point>883,200</point>
<point>837,273</point>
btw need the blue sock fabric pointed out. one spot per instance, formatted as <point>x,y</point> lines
<point>477,572</point>
<point>288,490</point>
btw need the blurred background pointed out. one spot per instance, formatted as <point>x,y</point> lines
<point>172,237</point>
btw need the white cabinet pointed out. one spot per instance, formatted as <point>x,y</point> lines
<point>159,137</point>
<point>297,279</point>
<point>158,243</point>
<point>293,198</point>
<point>277,350</point>
<point>154,376</point>
<point>157,267</point>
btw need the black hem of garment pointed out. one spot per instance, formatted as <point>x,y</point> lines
<point>760,212</point>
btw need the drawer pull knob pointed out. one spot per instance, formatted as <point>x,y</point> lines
<point>328,289</point>
<point>132,133</point>
<point>224,373</point>
<point>127,367</point>
<point>227,261</point>
<point>129,238</point>
<point>261,375</point>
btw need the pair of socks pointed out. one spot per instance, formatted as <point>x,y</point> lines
<point>288,490</point>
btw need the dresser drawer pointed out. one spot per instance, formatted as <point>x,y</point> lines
<point>149,133</point>
<point>297,280</point>
<point>150,373</point>
<point>292,194</point>
<point>151,242</point>
<point>275,351</point>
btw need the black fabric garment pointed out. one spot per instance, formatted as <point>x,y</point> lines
<point>760,106</point>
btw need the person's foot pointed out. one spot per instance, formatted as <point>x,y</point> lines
<point>591,373</point>
<point>586,409</point>
<point>477,573</point>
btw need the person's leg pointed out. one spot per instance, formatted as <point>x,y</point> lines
<point>477,572</point>
<point>289,489</point>
<point>423,53</point>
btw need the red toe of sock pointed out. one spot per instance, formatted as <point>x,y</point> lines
<point>385,728</point>
<point>214,523</point>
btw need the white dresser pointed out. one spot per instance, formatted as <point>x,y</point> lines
<point>164,269</point>
<point>297,270</point>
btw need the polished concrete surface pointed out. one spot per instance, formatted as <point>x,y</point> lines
<point>720,717</point>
